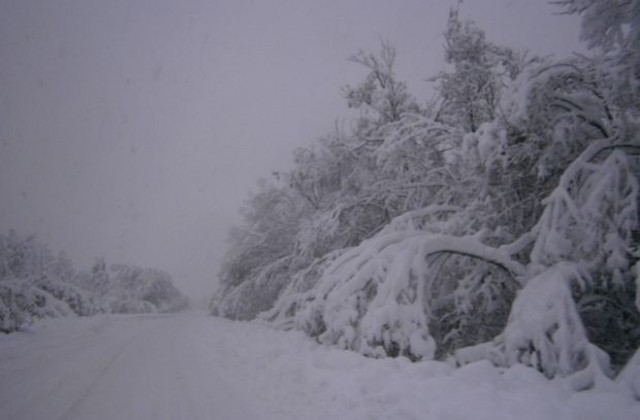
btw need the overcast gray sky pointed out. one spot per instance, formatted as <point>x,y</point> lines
<point>134,129</point>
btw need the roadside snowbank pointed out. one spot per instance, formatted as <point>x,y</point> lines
<point>290,377</point>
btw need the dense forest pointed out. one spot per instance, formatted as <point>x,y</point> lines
<point>497,222</point>
<point>36,283</point>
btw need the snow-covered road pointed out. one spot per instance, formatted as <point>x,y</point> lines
<point>116,367</point>
<point>190,366</point>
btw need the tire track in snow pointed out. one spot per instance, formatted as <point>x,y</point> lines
<point>72,411</point>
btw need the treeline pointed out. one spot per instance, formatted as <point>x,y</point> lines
<point>498,222</point>
<point>36,283</point>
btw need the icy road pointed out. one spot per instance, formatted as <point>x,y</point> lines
<point>190,366</point>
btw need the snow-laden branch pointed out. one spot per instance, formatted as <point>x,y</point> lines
<point>373,298</point>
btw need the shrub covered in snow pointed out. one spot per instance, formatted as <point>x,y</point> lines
<point>545,329</point>
<point>81,302</point>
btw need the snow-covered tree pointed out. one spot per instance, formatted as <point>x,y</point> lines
<point>34,284</point>
<point>63,267</point>
<point>133,289</point>
<point>504,226</point>
<point>99,281</point>
<point>380,96</point>
<point>470,92</point>
<point>268,234</point>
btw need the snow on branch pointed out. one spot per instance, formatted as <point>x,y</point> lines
<point>374,298</point>
<point>592,214</point>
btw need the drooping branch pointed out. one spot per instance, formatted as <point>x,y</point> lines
<point>432,244</point>
<point>473,248</point>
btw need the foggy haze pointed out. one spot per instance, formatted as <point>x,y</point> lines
<point>133,130</point>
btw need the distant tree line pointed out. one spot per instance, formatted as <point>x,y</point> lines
<point>36,283</point>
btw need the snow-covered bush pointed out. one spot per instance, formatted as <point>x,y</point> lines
<point>544,329</point>
<point>22,302</point>
<point>81,302</point>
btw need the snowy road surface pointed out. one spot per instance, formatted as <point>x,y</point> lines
<point>190,366</point>
<point>137,367</point>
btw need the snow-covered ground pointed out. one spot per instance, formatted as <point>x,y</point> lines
<point>190,366</point>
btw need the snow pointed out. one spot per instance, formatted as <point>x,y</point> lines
<point>189,366</point>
